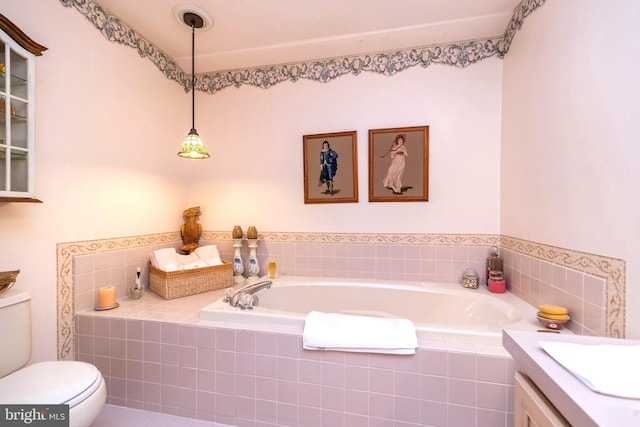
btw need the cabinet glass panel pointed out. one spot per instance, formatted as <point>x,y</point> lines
<point>17,152</point>
<point>19,128</point>
<point>3,69</point>
<point>18,69</point>
<point>3,129</point>
<point>3,168</point>
<point>19,171</point>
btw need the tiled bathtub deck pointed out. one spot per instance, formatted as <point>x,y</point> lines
<point>158,356</point>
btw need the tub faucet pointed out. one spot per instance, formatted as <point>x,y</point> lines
<point>235,298</point>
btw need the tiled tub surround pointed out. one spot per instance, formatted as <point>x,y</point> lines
<point>162,358</point>
<point>593,286</point>
<point>539,282</point>
<point>182,366</point>
<point>83,267</point>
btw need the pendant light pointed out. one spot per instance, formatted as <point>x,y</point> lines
<point>192,146</point>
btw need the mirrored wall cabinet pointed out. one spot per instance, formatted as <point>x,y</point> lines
<point>17,107</point>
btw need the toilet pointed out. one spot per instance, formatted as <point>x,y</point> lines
<point>77,384</point>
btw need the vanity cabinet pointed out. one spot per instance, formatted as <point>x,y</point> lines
<point>531,407</point>
<point>17,107</point>
<point>547,394</point>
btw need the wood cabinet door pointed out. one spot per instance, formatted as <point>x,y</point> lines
<point>532,409</point>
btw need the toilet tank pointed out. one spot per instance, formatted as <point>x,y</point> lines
<point>15,330</point>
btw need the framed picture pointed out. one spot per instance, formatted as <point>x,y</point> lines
<point>399,164</point>
<point>330,167</point>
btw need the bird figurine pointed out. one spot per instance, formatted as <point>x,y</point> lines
<point>191,230</point>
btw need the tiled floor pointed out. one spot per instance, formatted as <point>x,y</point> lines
<point>119,416</point>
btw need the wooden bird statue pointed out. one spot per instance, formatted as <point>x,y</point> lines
<point>191,230</point>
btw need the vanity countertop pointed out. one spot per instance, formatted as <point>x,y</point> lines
<point>580,405</point>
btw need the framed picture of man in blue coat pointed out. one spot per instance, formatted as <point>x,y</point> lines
<point>330,167</point>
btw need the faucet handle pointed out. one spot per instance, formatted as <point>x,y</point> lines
<point>229,295</point>
<point>246,302</point>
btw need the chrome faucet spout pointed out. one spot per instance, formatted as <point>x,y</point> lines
<point>253,288</point>
<point>249,289</point>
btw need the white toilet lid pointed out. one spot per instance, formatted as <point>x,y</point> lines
<point>56,382</point>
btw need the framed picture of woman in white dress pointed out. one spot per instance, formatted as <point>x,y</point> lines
<point>330,167</point>
<point>399,164</point>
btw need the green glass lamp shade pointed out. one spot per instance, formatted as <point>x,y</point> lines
<point>192,147</point>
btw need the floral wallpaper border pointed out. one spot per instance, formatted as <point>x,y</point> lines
<point>612,269</point>
<point>459,54</point>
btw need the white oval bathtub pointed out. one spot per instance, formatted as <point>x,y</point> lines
<point>443,312</point>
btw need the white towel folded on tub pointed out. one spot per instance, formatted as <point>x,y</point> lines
<point>209,255</point>
<point>362,334</point>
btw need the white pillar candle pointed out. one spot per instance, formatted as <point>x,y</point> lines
<point>107,297</point>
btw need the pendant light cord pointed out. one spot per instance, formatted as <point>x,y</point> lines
<point>193,75</point>
<point>192,146</point>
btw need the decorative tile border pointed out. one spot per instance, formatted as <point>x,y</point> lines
<point>369,238</point>
<point>613,270</point>
<point>460,54</point>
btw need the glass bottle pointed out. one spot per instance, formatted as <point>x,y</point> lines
<point>494,262</point>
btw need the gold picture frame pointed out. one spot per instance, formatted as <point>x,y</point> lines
<point>399,164</point>
<point>330,173</point>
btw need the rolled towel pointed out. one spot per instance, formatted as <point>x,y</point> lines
<point>209,254</point>
<point>363,334</point>
<point>165,258</point>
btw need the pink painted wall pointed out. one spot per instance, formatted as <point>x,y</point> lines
<point>569,134</point>
<point>109,125</point>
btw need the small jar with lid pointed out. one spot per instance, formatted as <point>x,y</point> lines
<point>470,278</point>
<point>496,282</point>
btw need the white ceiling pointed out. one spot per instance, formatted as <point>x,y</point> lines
<point>250,33</point>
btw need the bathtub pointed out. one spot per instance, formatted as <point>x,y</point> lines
<point>440,311</point>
